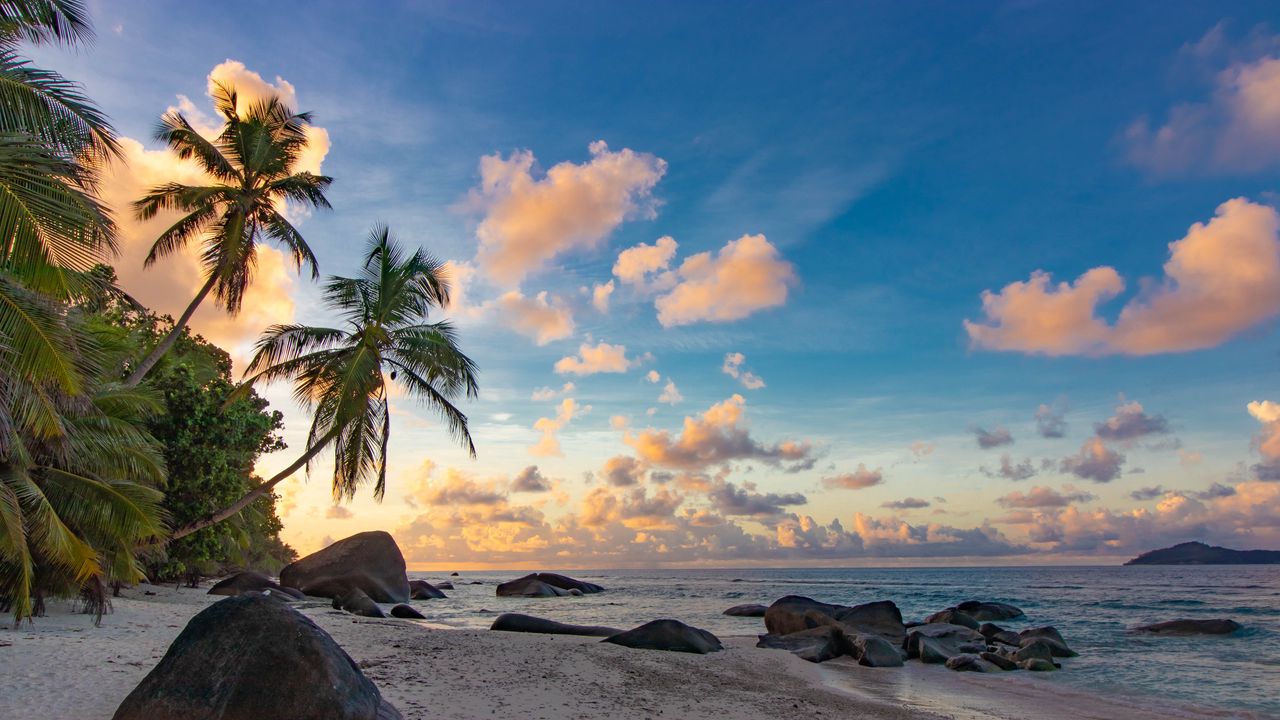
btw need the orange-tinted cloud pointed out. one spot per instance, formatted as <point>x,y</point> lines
<point>746,276</point>
<point>543,318</point>
<point>718,435</point>
<point>599,358</point>
<point>859,479</point>
<point>549,444</point>
<point>1267,441</point>
<point>732,366</point>
<point>636,264</point>
<point>529,221</point>
<point>1222,278</point>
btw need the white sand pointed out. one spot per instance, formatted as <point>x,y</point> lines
<point>62,666</point>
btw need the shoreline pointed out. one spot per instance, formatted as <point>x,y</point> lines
<point>62,666</point>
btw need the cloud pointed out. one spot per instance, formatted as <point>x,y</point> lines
<point>910,503</point>
<point>1221,278</point>
<point>1009,470</point>
<point>170,285</point>
<point>619,422</point>
<point>1095,461</point>
<point>338,512</point>
<point>746,276</point>
<point>636,264</point>
<point>859,479</point>
<point>600,358</point>
<point>670,393</point>
<point>543,394</point>
<point>921,449</point>
<point>530,479</point>
<point>529,221</point>
<point>1130,423</point>
<point>549,444</point>
<point>729,499</point>
<point>1235,130</point>
<point>1216,490</point>
<point>543,318</point>
<point>1148,493</point>
<point>600,296</point>
<point>993,438</point>
<point>622,471</point>
<point>652,376</point>
<point>1267,441</point>
<point>455,488</point>
<point>732,367</point>
<point>717,436</point>
<point>1044,497</point>
<point>1051,421</point>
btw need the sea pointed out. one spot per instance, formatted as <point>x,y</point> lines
<point>1094,608</point>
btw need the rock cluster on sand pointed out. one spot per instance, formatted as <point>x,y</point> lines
<point>959,637</point>
<point>368,561</point>
<point>250,657</point>
<point>515,622</point>
<point>671,635</point>
<point>546,585</point>
<point>1187,626</point>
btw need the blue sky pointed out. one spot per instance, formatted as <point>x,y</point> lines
<point>898,160</point>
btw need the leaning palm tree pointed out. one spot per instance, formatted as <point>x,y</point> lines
<point>252,169</point>
<point>341,374</point>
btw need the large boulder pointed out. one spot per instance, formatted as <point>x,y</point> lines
<point>546,585</point>
<point>423,590</point>
<point>817,644</point>
<point>670,635</point>
<point>875,651</point>
<point>243,582</point>
<point>1000,661</point>
<point>407,612</point>
<point>1187,626</point>
<point>515,622</point>
<point>368,561</point>
<point>794,613</point>
<point>989,611</point>
<point>996,634</point>
<point>1051,637</point>
<point>356,602</point>
<point>747,611</point>
<point>952,616</point>
<point>967,662</point>
<point>939,642</point>
<point>446,585</point>
<point>1033,649</point>
<point>250,657</point>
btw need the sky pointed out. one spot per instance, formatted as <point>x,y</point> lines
<point>771,283</point>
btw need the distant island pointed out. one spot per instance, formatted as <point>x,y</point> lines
<point>1197,553</point>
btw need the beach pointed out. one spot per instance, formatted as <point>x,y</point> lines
<point>62,666</point>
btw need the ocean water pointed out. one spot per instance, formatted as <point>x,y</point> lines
<point>1093,607</point>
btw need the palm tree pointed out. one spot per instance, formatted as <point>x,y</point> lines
<point>252,171</point>
<point>341,374</point>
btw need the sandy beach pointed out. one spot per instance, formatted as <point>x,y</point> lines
<point>63,666</point>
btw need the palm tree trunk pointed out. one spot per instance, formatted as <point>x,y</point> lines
<point>255,493</point>
<point>158,352</point>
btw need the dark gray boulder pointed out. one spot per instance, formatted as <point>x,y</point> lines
<point>368,561</point>
<point>794,613</point>
<point>967,662</point>
<point>1038,665</point>
<point>989,611</point>
<point>243,582</point>
<point>747,611</point>
<point>671,635</point>
<point>938,642</point>
<point>446,585</point>
<point>249,657</point>
<point>407,612</point>
<point>999,660</point>
<point>545,585</point>
<point>515,622</point>
<point>281,595</point>
<point>423,590</point>
<point>995,633</point>
<point>1187,626</point>
<point>816,645</point>
<point>1032,649</point>
<point>875,651</point>
<point>356,602</point>
<point>952,616</point>
<point>1051,637</point>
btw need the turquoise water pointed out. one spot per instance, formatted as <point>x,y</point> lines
<point>1092,606</point>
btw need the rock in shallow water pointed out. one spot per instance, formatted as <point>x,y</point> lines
<point>938,642</point>
<point>794,613</point>
<point>816,645</point>
<point>515,622</point>
<point>545,585</point>
<point>670,635</point>
<point>369,561</point>
<point>747,611</point>
<point>988,611</point>
<point>423,590</point>
<point>875,651</point>
<point>1051,637</point>
<point>407,612</point>
<point>952,616</point>
<point>248,658</point>
<point>1187,626</point>
<point>967,662</point>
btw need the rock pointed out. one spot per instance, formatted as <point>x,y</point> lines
<point>999,660</point>
<point>454,575</point>
<point>515,622</point>
<point>1032,649</point>
<point>1052,637</point>
<point>407,612</point>
<point>970,663</point>
<point>988,611</point>
<point>667,635</point>
<point>874,651</point>
<point>816,645</point>
<point>423,590</point>
<point>357,602</point>
<point>575,592</point>
<point>995,633</point>
<point>370,561</point>
<point>1186,626</point>
<point>248,658</point>
<point>529,586</point>
<point>952,616</point>
<point>794,613</point>
<point>243,582</point>
<point>279,594</point>
<point>446,585</point>
<point>747,611</point>
<point>1038,665</point>
<point>938,642</point>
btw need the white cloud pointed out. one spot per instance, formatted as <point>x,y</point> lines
<point>543,318</point>
<point>732,366</point>
<point>670,394</point>
<point>600,296</point>
<point>599,358</point>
